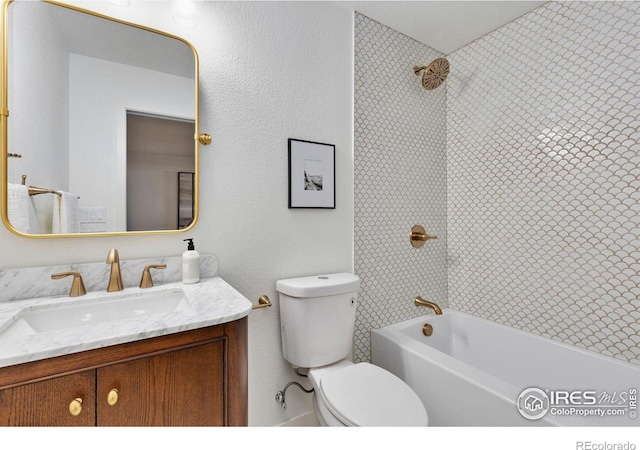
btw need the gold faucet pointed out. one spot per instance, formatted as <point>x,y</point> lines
<point>422,302</point>
<point>115,277</point>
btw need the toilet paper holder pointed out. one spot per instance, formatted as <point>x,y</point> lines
<point>263,302</point>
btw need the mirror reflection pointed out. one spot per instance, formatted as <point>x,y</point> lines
<point>102,119</point>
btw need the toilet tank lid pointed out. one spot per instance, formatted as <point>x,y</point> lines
<point>319,285</point>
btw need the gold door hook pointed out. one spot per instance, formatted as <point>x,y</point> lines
<point>263,302</point>
<point>419,236</point>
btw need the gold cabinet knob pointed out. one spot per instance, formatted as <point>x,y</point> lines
<point>112,397</point>
<point>75,407</point>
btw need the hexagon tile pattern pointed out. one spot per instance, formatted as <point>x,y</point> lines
<point>543,175</point>
<point>400,180</point>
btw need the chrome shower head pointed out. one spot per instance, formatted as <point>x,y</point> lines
<point>434,74</point>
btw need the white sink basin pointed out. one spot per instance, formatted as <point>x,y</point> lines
<point>107,308</point>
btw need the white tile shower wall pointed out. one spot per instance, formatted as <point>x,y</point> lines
<point>400,180</point>
<point>544,176</point>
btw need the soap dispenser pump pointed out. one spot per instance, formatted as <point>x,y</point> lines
<point>190,264</point>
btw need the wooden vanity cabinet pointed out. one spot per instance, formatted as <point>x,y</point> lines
<point>173,388</point>
<point>46,403</point>
<point>192,378</point>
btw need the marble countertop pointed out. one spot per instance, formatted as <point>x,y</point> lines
<point>212,301</point>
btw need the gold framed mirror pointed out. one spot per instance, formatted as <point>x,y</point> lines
<point>98,118</point>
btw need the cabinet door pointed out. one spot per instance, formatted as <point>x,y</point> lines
<point>47,403</point>
<point>177,388</point>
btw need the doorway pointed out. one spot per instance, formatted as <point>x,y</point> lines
<point>158,149</point>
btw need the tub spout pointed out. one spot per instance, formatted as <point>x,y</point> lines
<point>422,302</point>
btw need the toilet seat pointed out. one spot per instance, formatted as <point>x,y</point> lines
<point>366,395</point>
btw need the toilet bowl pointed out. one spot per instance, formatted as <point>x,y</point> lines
<point>364,395</point>
<point>317,316</point>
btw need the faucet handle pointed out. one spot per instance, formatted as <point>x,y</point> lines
<point>418,236</point>
<point>146,281</point>
<point>77,286</point>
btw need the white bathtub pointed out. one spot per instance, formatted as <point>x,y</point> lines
<point>476,372</point>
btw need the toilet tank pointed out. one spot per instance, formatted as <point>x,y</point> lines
<point>317,316</point>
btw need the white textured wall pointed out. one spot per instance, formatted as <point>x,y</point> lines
<point>277,70</point>
<point>268,72</point>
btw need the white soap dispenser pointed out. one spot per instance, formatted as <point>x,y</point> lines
<point>190,264</point>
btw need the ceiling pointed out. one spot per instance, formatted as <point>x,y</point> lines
<point>443,25</point>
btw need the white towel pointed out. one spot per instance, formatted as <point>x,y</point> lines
<point>66,218</point>
<point>18,207</point>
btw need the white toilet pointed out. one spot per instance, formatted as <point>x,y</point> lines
<point>317,315</point>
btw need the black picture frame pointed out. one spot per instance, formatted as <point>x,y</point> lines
<point>312,180</point>
<point>185,199</point>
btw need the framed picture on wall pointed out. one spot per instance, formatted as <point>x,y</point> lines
<point>312,181</point>
<point>185,199</point>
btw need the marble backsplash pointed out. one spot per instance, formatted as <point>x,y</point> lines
<point>33,282</point>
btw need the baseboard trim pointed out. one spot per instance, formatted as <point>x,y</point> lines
<point>307,419</point>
